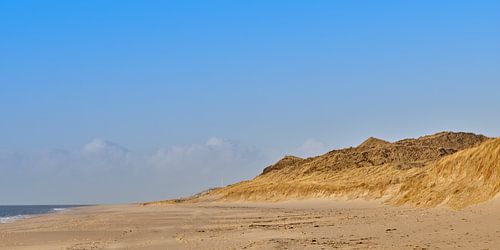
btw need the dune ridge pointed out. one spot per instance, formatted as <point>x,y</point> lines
<point>448,168</point>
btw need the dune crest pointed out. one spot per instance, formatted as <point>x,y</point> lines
<point>373,142</point>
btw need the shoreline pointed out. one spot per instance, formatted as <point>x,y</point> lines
<point>53,209</point>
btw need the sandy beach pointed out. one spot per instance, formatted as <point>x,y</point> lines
<point>312,224</point>
<point>249,125</point>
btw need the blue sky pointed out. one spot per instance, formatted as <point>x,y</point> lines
<point>260,78</point>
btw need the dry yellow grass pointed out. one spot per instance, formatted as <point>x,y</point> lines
<point>366,182</point>
<point>455,169</point>
<point>468,177</point>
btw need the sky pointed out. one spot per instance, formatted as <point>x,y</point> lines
<point>125,101</point>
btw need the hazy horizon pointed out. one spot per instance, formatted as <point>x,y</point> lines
<point>129,101</point>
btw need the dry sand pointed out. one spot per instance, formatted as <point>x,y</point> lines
<point>312,224</point>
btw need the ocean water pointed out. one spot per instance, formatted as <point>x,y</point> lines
<point>11,213</point>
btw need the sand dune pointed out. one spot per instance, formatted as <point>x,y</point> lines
<point>455,169</point>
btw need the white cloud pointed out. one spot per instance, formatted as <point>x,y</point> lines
<point>104,148</point>
<point>216,159</point>
<point>214,141</point>
<point>311,147</point>
<point>102,171</point>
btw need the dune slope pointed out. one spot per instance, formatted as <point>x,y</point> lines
<point>468,177</point>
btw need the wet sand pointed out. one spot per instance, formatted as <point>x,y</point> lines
<point>313,224</point>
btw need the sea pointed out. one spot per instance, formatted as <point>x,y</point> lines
<point>12,212</point>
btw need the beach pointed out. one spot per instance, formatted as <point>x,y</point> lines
<point>309,224</point>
